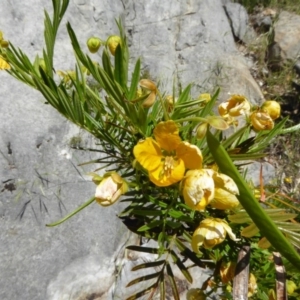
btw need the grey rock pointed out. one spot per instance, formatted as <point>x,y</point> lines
<point>239,21</point>
<point>254,169</point>
<point>185,41</point>
<point>287,36</point>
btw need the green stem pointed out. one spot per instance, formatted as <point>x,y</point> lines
<point>84,205</point>
<point>166,115</point>
<point>290,129</point>
<point>192,119</point>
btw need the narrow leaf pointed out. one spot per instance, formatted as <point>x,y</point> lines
<point>143,278</point>
<point>148,265</point>
<point>77,210</point>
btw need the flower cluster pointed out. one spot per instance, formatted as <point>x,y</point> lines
<point>169,160</point>
<point>261,118</point>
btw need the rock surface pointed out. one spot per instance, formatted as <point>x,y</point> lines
<point>287,35</point>
<point>239,21</point>
<point>188,41</point>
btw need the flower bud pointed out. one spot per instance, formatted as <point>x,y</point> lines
<point>235,106</point>
<point>211,232</point>
<point>217,122</point>
<point>112,42</point>
<point>110,189</point>
<point>151,86</point>
<point>261,121</point>
<point>4,44</point>
<point>1,35</point>
<point>272,108</point>
<point>201,131</point>
<point>291,286</point>
<point>93,44</point>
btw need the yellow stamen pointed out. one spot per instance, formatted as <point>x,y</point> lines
<point>168,165</point>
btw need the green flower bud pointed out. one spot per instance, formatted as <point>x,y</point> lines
<point>201,131</point>
<point>112,43</point>
<point>93,44</point>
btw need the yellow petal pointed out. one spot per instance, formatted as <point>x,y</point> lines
<point>198,189</point>
<point>149,101</point>
<point>148,154</point>
<point>225,182</point>
<point>148,84</point>
<point>167,135</point>
<point>261,121</point>
<point>4,65</point>
<point>198,239</point>
<point>190,154</point>
<point>224,200</point>
<point>160,177</point>
<point>229,231</point>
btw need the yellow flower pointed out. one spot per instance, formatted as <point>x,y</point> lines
<point>272,108</point>
<point>252,286</point>
<point>198,188</point>
<point>261,121</point>
<point>211,232</point>
<point>195,294</point>
<point>4,65</point>
<point>113,42</point>
<point>149,85</point>
<point>110,188</point>
<point>202,187</point>
<point>235,106</point>
<point>227,271</point>
<point>167,157</point>
<point>93,44</point>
